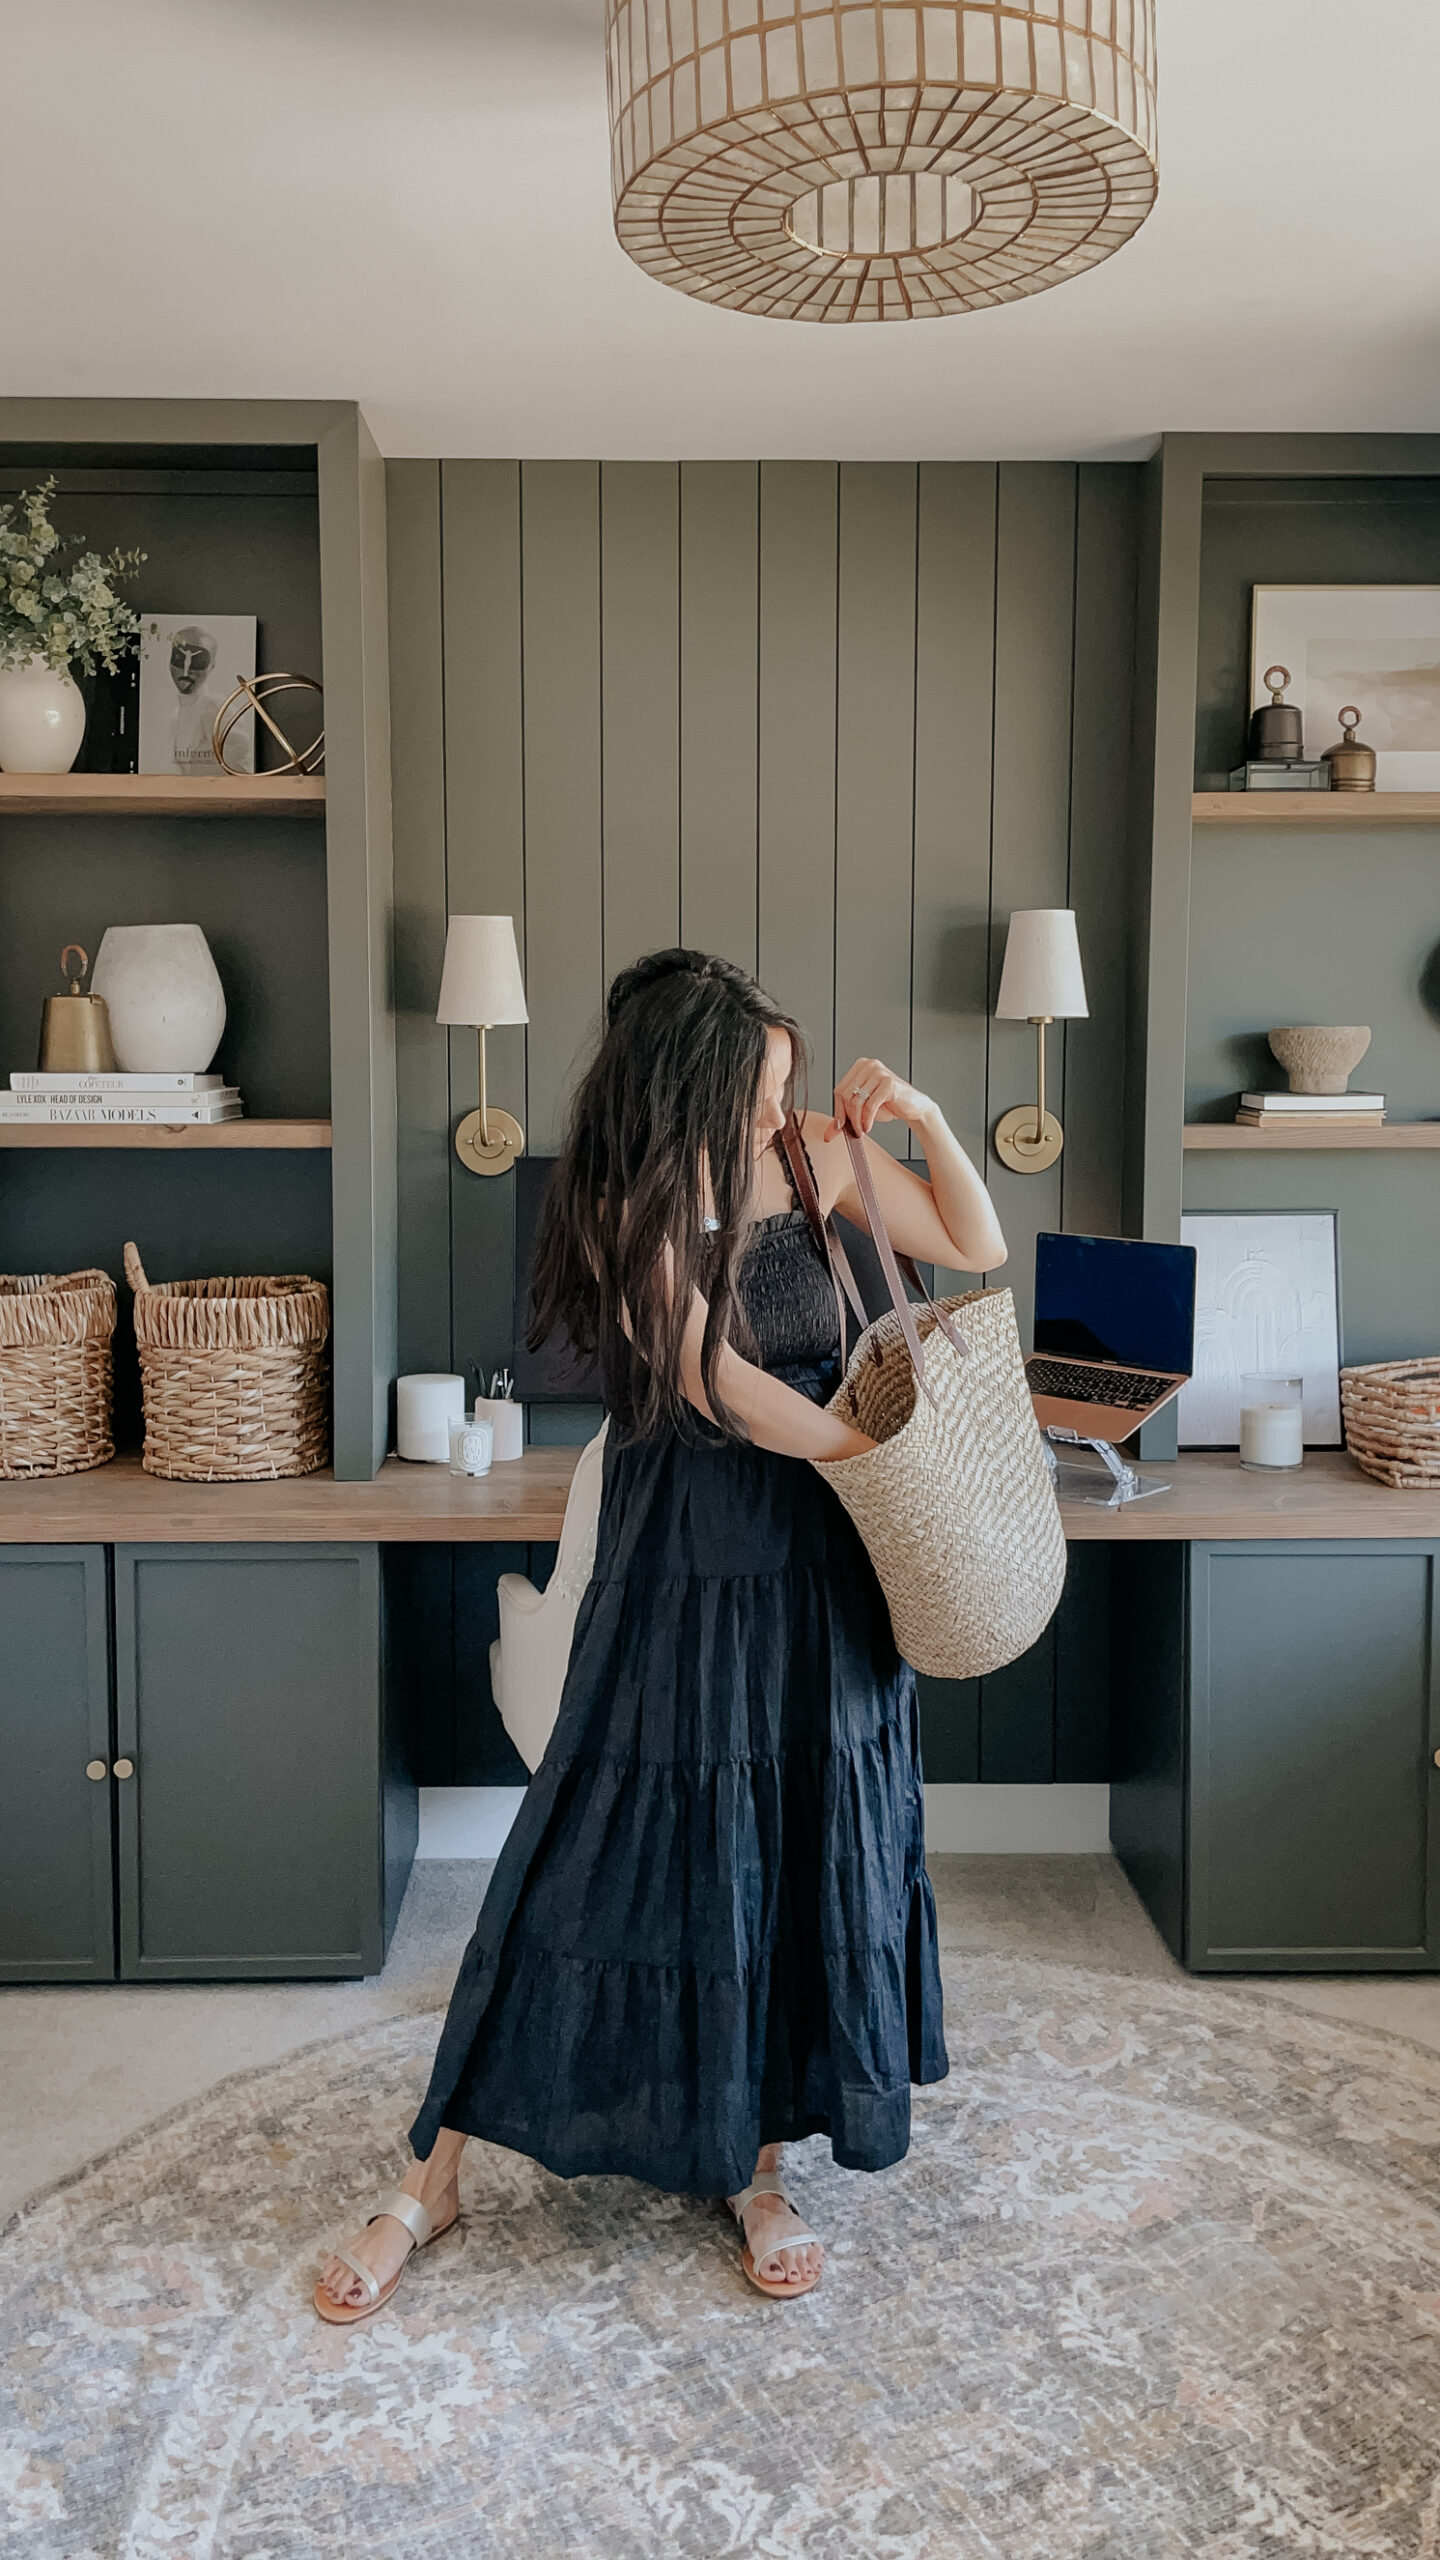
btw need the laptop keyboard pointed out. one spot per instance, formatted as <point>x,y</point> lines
<point>1132,1389</point>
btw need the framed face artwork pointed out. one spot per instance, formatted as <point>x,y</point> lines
<point>1267,1299</point>
<point>189,664</point>
<point>1375,647</point>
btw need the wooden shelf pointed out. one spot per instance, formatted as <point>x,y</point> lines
<point>1208,1495</point>
<point>160,1133</point>
<point>161,795</point>
<point>1316,808</point>
<point>1395,1136</point>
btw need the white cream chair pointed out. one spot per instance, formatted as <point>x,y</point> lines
<point>529,1656</point>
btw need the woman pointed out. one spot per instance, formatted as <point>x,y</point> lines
<point>710,1931</point>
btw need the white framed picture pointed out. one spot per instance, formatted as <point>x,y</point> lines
<point>1376,647</point>
<point>189,664</point>
<point>1267,1298</point>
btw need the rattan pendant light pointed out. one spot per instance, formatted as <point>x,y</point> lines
<point>857,160</point>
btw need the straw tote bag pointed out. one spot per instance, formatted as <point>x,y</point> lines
<point>955,1505</point>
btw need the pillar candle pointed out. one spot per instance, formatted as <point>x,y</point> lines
<point>507,1420</point>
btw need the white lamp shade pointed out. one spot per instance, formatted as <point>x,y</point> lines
<point>481,981</point>
<point>1042,973</point>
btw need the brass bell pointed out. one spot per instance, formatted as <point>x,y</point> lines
<point>1276,732</point>
<point>75,1029</point>
<point>1352,764</point>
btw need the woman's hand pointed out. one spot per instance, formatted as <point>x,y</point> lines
<point>871,1091</point>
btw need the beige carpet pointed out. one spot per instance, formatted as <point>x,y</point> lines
<point>1161,2276</point>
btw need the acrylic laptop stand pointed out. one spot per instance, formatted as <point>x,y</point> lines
<point>1077,1482</point>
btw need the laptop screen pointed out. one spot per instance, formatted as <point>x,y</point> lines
<point>1103,1298</point>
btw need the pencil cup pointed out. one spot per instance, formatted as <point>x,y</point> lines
<point>507,1421</point>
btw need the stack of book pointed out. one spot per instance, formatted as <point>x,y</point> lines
<point>123,1101</point>
<point>1310,1110</point>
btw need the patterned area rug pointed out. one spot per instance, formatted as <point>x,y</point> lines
<point>1160,2276</point>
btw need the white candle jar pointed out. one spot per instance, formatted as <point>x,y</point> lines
<point>1272,1423</point>
<point>471,1447</point>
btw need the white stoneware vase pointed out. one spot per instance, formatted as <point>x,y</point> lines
<point>166,1003</point>
<point>42,718</point>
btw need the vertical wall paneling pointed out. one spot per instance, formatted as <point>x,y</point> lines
<point>875,768</point>
<point>485,863</point>
<point>954,718</point>
<point>719,679</point>
<point>1106,532</point>
<point>798,573</point>
<point>836,721</point>
<point>640,682</point>
<point>417,764</point>
<point>1034,657</point>
<point>560,571</point>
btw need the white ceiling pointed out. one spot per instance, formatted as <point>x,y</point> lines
<point>407,202</point>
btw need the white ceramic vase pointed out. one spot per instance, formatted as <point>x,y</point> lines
<point>42,718</point>
<point>163,991</point>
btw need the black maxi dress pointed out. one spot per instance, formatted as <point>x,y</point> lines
<point>710,1927</point>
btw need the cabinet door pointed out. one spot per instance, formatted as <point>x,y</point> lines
<point>56,1869</point>
<point>1313,1813</point>
<point>248,1697</point>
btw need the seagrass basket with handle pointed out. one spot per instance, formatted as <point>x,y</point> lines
<point>234,1374</point>
<point>955,1503</point>
<point>1392,1419</point>
<point>56,1372</point>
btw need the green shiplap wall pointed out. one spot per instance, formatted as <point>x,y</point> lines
<point>833,720</point>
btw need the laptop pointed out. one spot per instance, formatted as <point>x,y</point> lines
<point>1114,1332</point>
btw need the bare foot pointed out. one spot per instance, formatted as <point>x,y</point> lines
<point>765,2222</point>
<point>384,2245</point>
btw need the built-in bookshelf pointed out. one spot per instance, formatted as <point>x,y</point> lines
<point>284,873</point>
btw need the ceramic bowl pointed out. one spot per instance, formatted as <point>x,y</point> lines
<point>1318,1057</point>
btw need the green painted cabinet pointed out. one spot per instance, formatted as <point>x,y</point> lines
<point>56,1882</point>
<point>255,1817</point>
<point>1275,1797</point>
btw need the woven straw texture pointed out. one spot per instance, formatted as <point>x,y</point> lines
<point>956,1505</point>
<point>56,1370</point>
<point>234,1374</point>
<point>1392,1419</point>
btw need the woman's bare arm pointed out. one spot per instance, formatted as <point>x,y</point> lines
<point>775,1416</point>
<point>950,1218</point>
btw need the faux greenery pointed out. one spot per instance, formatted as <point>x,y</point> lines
<point>52,606</point>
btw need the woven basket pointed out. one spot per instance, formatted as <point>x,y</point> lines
<point>956,1505</point>
<point>234,1374</point>
<point>1392,1419</point>
<point>56,1367</point>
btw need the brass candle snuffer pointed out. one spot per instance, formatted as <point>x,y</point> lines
<point>1351,762</point>
<point>75,1028</point>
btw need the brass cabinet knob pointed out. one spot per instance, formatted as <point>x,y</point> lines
<point>1437,1759</point>
<point>97,1768</point>
<point>124,1768</point>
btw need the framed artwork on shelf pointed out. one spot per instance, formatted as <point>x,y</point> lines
<point>1267,1298</point>
<point>190,663</point>
<point>1375,647</point>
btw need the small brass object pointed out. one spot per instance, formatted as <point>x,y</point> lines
<point>1351,762</point>
<point>1276,729</point>
<point>96,1769</point>
<point>251,694</point>
<point>1437,1759</point>
<point>75,1029</point>
<point>124,1768</point>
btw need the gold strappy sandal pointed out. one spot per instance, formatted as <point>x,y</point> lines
<point>400,2208</point>
<point>771,2184</point>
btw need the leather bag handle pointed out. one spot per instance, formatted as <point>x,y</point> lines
<point>890,1262</point>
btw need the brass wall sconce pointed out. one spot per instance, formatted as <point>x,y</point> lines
<point>481,985</point>
<point>1041,981</point>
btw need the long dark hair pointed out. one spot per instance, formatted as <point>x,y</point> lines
<point>679,1072</point>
